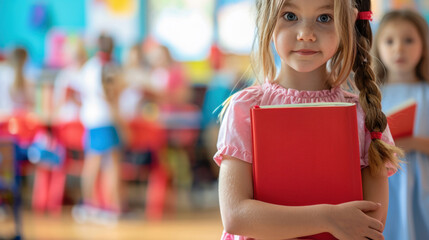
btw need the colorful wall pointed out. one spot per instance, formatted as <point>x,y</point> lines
<point>27,22</point>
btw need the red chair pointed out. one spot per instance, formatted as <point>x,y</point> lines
<point>49,183</point>
<point>4,133</point>
<point>70,135</point>
<point>23,126</point>
<point>150,136</point>
<point>182,122</point>
<point>146,135</point>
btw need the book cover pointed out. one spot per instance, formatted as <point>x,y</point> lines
<point>306,154</point>
<point>401,119</point>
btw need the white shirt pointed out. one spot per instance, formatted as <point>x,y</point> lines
<point>95,111</point>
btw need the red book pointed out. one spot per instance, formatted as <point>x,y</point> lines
<point>401,119</point>
<point>306,154</point>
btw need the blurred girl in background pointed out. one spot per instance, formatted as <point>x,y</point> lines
<point>66,101</point>
<point>402,46</point>
<point>99,90</point>
<point>167,77</point>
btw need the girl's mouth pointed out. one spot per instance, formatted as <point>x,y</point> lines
<point>305,52</point>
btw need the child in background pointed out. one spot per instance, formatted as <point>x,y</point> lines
<point>102,139</point>
<point>66,102</point>
<point>137,80</point>
<point>47,151</point>
<point>16,89</point>
<point>168,82</point>
<point>402,45</point>
<point>113,87</point>
<point>310,36</point>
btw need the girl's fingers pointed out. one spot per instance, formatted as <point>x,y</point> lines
<point>374,235</point>
<point>367,206</point>
<point>376,225</point>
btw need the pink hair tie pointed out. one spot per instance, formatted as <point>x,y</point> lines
<point>365,15</point>
<point>376,135</point>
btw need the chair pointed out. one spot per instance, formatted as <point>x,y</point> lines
<point>22,126</point>
<point>49,182</point>
<point>149,136</point>
<point>70,135</point>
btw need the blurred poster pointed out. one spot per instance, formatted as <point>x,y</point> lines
<point>119,18</point>
<point>184,26</point>
<point>236,26</point>
<point>61,47</point>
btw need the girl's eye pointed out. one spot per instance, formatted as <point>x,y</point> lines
<point>389,41</point>
<point>324,18</point>
<point>409,40</point>
<point>290,16</point>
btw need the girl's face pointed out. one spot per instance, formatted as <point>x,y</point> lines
<point>305,36</point>
<point>400,47</point>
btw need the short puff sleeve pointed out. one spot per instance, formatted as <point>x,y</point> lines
<point>235,137</point>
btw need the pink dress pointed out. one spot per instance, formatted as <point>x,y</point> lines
<point>235,136</point>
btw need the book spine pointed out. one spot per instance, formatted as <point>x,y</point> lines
<point>252,119</point>
<point>355,148</point>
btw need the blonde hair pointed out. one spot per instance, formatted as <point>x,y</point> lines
<point>355,40</point>
<point>422,70</point>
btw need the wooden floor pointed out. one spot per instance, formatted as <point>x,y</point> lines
<point>189,225</point>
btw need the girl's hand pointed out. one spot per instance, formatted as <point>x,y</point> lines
<point>406,143</point>
<point>349,221</point>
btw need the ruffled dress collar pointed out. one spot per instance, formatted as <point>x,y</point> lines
<point>274,93</point>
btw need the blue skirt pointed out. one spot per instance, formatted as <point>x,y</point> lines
<point>408,214</point>
<point>101,140</point>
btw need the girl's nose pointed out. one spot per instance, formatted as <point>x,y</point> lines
<point>306,33</point>
<point>399,46</point>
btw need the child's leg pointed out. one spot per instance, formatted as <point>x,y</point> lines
<point>40,188</point>
<point>111,181</point>
<point>56,190</point>
<point>91,167</point>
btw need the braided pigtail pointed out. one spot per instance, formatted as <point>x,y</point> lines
<point>380,152</point>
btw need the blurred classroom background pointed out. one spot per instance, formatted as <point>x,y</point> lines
<point>179,60</point>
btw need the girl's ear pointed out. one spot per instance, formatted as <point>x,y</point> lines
<point>356,12</point>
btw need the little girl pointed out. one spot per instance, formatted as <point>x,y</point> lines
<point>99,91</point>
<point>310,36</point>
<point>402,45</point>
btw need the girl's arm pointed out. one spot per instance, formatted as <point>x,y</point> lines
<point>242,215</point>
<point>376,189</point>
<point>420,144</point>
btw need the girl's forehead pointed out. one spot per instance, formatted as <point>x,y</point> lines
<point>307,3</point>
<point>399,27</point>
